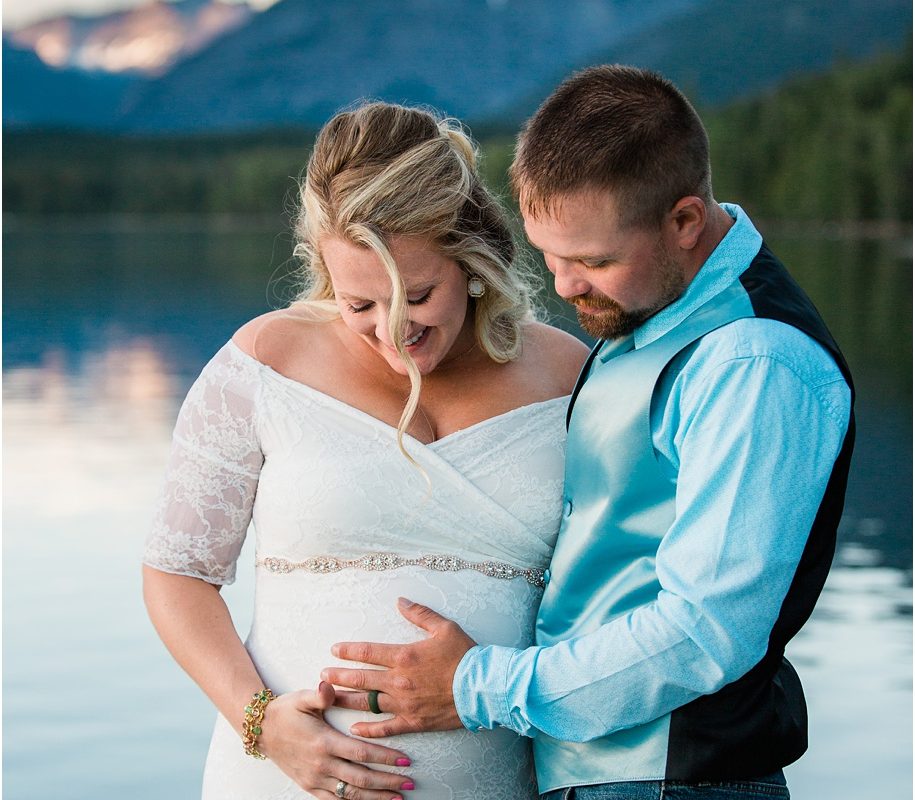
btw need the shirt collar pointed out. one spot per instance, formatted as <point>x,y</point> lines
<point>727,262</point>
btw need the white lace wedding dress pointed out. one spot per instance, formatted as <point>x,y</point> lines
<point>345,525</point>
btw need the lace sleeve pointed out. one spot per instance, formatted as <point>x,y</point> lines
<point>211,479</point>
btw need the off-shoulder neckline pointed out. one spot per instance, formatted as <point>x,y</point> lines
<point>358,413</point>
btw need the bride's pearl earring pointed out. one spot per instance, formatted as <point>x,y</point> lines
<point>476,287</point>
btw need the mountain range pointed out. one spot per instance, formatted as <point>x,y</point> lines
<point>146,40</point>
<point>485,61</point>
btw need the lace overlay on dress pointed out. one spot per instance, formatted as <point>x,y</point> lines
<point>211,478</point>
<point>325,483</point>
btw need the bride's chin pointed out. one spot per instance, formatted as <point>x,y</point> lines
<point>398,366</point>
<point>425,361</point>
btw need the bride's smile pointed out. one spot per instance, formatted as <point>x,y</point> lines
<point>437,325</point>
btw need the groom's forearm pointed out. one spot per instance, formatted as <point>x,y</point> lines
<point>624,674</point>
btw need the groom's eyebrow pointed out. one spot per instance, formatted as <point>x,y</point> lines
<point>587,260</point>
<point>591,257</point>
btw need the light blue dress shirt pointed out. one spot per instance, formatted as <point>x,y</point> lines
<point>748,421</point>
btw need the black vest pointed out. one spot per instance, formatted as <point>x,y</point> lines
<point>758,724</point>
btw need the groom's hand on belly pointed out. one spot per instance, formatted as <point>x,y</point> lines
<point>415,684</point>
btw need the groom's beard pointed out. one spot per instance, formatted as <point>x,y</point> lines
<point>613,321</point>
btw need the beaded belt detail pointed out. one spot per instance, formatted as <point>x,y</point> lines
<point>375,562</point>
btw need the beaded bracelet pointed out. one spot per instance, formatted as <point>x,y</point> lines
<point>254,716</point>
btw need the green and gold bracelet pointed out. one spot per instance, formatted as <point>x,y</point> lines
<point>254,716</point>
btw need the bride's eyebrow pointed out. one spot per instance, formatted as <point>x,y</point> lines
<point>348,295</point>
<point>418,289</point>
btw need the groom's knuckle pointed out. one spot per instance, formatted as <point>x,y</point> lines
<point>403,657</point>
<point>402,683</point>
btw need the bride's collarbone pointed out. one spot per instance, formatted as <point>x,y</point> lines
<point>447,409</point>
<point>445,405</point>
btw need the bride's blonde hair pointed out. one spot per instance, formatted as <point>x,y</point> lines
<point>383,170</point>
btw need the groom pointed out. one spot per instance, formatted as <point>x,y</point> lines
<point>709,443</point>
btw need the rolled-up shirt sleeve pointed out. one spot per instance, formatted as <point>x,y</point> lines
<point>751,440</point>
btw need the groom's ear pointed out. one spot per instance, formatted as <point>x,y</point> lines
<point>685,222</point>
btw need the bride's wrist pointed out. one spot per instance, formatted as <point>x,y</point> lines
<point>253,723</point>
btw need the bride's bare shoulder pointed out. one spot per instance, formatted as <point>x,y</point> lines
<point>280,339</point>
<point>555,352</point>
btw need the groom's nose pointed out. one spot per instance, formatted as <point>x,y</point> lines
<point>568,280</point>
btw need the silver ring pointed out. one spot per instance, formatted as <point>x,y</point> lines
<point>340,791</point>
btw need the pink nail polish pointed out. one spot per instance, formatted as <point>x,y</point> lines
<point>408,785</point>
<point>403,762</point>
<point>396,797</point>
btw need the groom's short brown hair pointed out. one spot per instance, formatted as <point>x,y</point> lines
<point>619,129</point>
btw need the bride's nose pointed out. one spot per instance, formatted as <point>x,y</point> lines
<point>382,333</point>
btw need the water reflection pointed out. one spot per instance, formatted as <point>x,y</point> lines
<point>863,289</point>
<point>854,658</point>
<point>76,432</point>
<point>78,287</point>
<point>104,329</point>
<point>85,438</point>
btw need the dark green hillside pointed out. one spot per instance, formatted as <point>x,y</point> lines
<point>832,148</point>
<point>836,147</point>
<point>66,172</point>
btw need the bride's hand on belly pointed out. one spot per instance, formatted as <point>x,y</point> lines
<point>317,757</point>
<point>415,685</point>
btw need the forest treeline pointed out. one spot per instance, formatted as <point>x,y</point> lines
<point>834,147</point>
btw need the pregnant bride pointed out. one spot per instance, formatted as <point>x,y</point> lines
<point>398,430</point>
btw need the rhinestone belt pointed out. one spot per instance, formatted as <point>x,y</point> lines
<point>375,562</point>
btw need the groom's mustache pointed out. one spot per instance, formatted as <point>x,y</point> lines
<point>593,301</point>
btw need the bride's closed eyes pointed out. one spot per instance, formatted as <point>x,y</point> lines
<point>416,302</point>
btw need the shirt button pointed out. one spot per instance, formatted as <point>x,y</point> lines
<point>567,508</point>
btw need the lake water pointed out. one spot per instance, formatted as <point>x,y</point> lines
<point>106,324</point>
